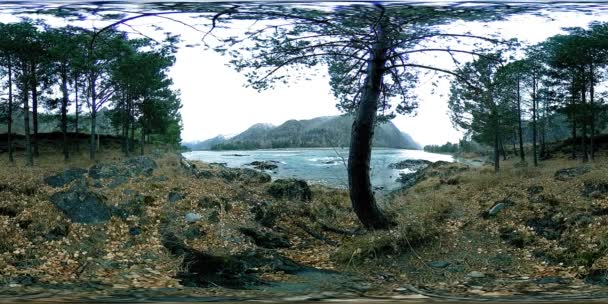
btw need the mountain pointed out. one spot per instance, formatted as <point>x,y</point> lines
<point>327,131</point>
<point>205,144</point>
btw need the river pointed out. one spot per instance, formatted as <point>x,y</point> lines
<point>321,165</point>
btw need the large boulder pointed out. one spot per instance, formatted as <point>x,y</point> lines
<point>99,171</point>
<point>570,173</point>
<point>408,180</point>
<point>264,213</point>
<point>411,164</point>
<point>65,177</point>
<point>253,176</point>
<point>134,166</point>
<point>234,271</point>
<point>291,188</point>
<point>267,239</point>
<point>81,205</point>
<point>140,165</point>
<point>264,165</point>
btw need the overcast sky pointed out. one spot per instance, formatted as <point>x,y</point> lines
<point>215,100</point>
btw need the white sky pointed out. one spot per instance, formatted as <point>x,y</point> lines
<point>215,100</point>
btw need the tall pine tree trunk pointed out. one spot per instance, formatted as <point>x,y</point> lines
<point>77,115</point>
<point>534,124</point>
<point>93,145</point>
<point>592,112</point>
<point>584,122</point>
<point>359,183</point>
<point>34,88</point>
<point>10,111</point>
<point>142,139</point>
<point>26,123</point>
<point>520,132</point>
<point>573,118</point>
<point>64,113</point>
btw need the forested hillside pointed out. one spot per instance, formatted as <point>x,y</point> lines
<point>328,131</point>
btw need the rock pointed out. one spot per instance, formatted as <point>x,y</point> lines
<point>203,173</point>
<point>412,164</point>
<point>58,232</point>
<point>64,178</point>
<point>235,154</point>
<point>263,165</point>
<point>134,231</point>
<point>439,264</point>
<point>295,189</point>
<point>264,214</point>
<point>408,180</point>
<point>266,239</point>
<point>135,205</point>
<point>476,275</point>
<point>175,196</point>
<point>534,190</point>
<point>551,280</point>
<point>202,270</point>
<point>499,206</point>
<point>99,171</point>
<point>134,166</point>
<point>117,181</point>
<point>193,232</point>
<point>140,165</point>
<point>209,203</point>
<point>570,173</point>
<point>81,205</point>
<point>595,190</point>
<point>547,226</point>
<point>192,217</point>
<point>253,176</point>
<point>214,217</point>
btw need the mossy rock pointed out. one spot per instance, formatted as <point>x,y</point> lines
<point>294,189</point>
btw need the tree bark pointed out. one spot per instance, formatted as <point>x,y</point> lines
<point>503,151</point>
<point>64,113</point>
<point>359,184</point>
<point>592,114</point>
<point>10,111</point>
<point>26,123</point>
<point>534,128</point>
<point>496,149</point>
<point>573,113</point>
<point>93,145</point>
<point>142,140</point>
<point>77,114</point>
<point>34,88</point>
<point>584,122</point>
<point>522,156</point>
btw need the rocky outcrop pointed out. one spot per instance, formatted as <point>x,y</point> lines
<point>81,205</point>
<point>65,177</point>
<point>267,239</point>
<point>411,164</point>
<point>570,173</point>
<point>245,175</point>
<point>293,189</point>
<point>264,165</point>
